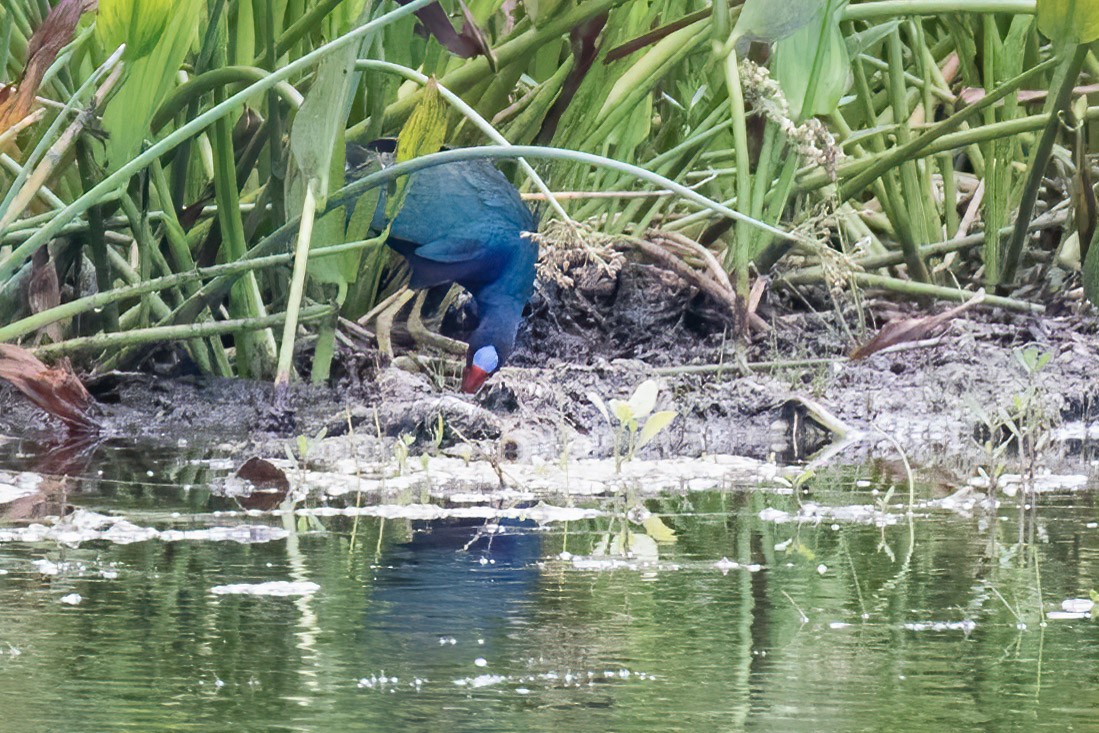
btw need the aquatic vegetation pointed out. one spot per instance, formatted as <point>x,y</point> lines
<point>849,146</point>
<point>637,424</point>
<point>1022,423</point>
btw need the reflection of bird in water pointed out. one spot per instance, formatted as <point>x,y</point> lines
<point>463,223</point>
<point>455,580</point>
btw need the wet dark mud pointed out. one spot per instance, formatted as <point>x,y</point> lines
<point>608,331</point>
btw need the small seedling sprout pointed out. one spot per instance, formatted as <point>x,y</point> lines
<point>637,423</point>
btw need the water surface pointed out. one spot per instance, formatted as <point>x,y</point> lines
<point>930,623</point>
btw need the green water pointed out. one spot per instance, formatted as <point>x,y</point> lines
<point>432,627</point>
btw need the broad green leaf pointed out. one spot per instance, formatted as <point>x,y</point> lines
<point>148,81</point>
<point>770,21</point>
<point>336,269</point>
<point>642,75</point>
<point>659,531</point>
<point>657,422</point>
<point>793,65</point>
<point>635,129</point>
<point>424,133</point>
<point>1069,21</point>
<point>243,30</point>
<point>359,225</point>
<point>643,399</point>
<point>139,24</point>
<point>319,122</point>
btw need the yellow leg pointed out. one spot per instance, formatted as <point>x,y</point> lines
<point>424,335</point>
<point>384,324</point>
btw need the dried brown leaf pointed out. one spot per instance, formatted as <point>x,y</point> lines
<point>47,40</point>
<point>53,389</point>
<point>912,329</point>
<point>583,38</point>
<point>471,42</point>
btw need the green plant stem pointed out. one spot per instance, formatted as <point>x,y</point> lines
<point>925,290</point>
<point>892,8</point>
<point>736,257</point>
<point>950,194</point>
<point>815,179</point>
<point>815,274</point>
<point>776,200</point>
<point>914,229</point>
<point>325,349</point>
<point>89,303</point>
<point>255,352</point>
<point>145,249</point>
<point>303,25</point>
<point>154,334</point>
<point>919,145</point>
<point>95,242</point>
<point>1071,64</point>
<point>226,76</point>
<point>192,127</point>
<point>357,188</point>
<point>297,285</point>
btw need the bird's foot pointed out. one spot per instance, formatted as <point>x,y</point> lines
<point>423,335</point>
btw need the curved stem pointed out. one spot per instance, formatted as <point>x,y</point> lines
<point>215,79</point>
<point>497,152</point>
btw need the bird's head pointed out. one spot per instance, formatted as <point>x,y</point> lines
<point>490,345</point>
<point>480,365</point>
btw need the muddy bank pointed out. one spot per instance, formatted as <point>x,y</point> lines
<point>604,334</point>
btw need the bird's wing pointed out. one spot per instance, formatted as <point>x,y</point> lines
<point>446,260</point>
<point>452,250</point>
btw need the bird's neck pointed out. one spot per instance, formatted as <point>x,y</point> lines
<point>499,314</point>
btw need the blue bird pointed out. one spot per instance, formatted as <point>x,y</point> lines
<point>464,223</point>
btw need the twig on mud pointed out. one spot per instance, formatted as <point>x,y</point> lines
<point>925,290</point>
<point>758,366</point>
<point>754,366</point>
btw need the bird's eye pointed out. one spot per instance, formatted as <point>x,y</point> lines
<point>486,358</point>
